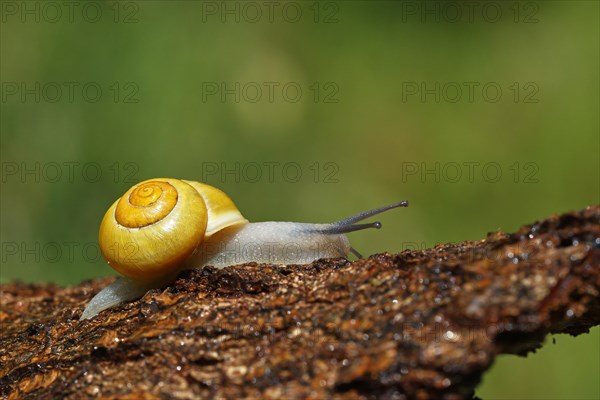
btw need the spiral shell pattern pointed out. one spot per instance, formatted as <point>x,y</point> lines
<point>156,225</point>
<point>146,204</point>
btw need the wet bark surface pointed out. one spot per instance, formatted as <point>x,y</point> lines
<point>418,324</point>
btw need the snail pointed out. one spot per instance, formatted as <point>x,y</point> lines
<point>162,226</point>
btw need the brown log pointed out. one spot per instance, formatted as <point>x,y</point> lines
<point>418,324</point>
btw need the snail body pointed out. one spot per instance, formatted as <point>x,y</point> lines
<point>162,226</point>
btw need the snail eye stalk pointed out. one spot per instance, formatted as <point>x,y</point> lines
<point>349,224</point>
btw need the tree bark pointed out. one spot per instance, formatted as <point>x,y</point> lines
<point>418,324</point>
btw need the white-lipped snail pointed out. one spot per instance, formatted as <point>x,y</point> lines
<point>162,226</point>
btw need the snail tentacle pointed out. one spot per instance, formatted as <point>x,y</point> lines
<point>349,224</point>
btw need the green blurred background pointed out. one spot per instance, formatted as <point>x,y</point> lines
<point>362,104</point>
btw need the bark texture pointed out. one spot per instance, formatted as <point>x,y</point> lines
<point>418,324</point>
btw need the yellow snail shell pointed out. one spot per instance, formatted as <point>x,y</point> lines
<point>157,224</point>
